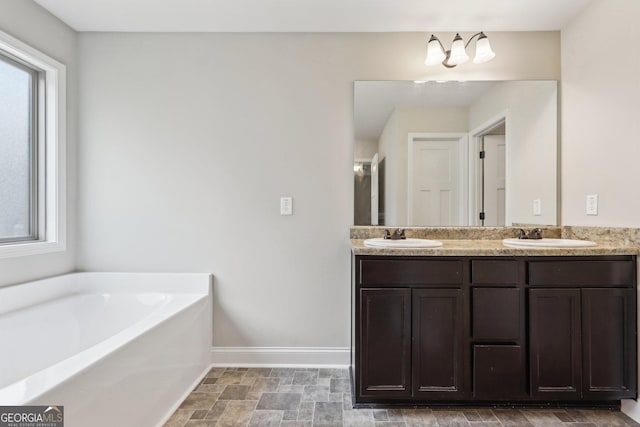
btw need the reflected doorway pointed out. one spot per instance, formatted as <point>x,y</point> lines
<point>363,193</point>
<point>491,175</point>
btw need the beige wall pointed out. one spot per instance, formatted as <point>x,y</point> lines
<point>189,140</point>
<point>601,114</point>
<point>31,24</point>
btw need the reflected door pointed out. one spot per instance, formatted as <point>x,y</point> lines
<point>494,180</point>
<point>434,197</point>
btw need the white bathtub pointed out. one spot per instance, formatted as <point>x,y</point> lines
<point>114,348</point>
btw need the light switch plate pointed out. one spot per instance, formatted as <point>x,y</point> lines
<point>286,206</point>
<point>592,204</point>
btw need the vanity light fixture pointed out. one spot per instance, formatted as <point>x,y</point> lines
<point>436,53</point>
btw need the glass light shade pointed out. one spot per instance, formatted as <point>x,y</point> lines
<point>435,54</point>
<point>458,54</point>
<point>484,53</point>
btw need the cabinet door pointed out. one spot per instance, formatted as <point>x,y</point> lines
<point>609,343</point>
<point>385,343</point>
<point>554,333</point>
<point>438,342</point>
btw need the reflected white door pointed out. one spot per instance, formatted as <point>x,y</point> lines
<point>435,183</point>
<point>494,180</point>
<point>374,190</point>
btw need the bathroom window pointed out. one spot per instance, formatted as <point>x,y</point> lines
<point>32,150</point>
<point>18,151</point>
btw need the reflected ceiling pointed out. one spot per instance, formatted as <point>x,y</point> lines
<point>377,101</point>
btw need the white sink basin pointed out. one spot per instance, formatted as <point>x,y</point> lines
<point>547,243</point>
<point>379,242</point>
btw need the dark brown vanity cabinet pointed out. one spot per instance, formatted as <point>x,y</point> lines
<point>504,329</point>
<point>409,330</point>
<point>590,308</point>
<point>388,346</point>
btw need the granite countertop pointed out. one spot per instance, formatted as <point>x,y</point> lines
<point>485,247</point>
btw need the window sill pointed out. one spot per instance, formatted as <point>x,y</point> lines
<point>12,250</point>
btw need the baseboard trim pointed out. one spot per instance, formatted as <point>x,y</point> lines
<point>631,408</point>
<point>280,356</point>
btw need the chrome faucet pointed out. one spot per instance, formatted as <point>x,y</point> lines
<point>535,234</point>
<point>398,234</point>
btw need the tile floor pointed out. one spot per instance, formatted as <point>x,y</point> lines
<point>230,397</point>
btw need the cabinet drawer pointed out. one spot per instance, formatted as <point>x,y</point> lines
<point>496,314</point>
<point>498,372</point>
<point>410,272</point>
<point>493,272</point>
<point>582,273</point>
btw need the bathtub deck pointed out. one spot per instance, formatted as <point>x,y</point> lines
<point>314,397</point>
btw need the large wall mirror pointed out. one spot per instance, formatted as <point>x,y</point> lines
<point>475,153</point>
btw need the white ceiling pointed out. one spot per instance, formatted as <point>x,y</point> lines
<point>374,101</point>
<point>314,15</point>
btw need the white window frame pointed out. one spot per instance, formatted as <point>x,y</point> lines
<point>51,147</point>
